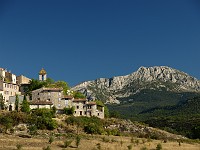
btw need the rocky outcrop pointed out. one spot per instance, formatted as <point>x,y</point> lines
<point>157,77</point>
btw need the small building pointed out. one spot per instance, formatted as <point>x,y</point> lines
<point>85,108</point>
<point>23,83</point>
<point>53,95</point>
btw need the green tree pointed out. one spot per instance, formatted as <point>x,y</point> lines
<point>78,95</point>
<point>60,84</point>
<point>34,85</point>
<point>42,119</point>
<point>25,105</point>
<point>69,111</point>
<point>2,104</point>
<point>63,85</point>
<point>17,103</point>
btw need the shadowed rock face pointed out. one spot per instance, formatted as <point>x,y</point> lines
<point>157,77</point>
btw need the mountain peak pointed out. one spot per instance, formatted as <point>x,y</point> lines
<point>124,86</point>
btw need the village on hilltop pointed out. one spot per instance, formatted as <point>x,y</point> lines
<point>44,97</point>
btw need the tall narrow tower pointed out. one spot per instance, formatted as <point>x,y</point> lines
<point>42,75</point>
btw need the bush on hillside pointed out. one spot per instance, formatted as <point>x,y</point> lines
<point>42,119</point>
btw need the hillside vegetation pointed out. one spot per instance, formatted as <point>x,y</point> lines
<point>42,129</point>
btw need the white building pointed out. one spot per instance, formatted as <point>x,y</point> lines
<point>8,84</point>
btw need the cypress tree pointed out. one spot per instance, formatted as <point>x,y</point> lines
<point>17,103</point>
<point>2,104</point>
<point>25,105</point>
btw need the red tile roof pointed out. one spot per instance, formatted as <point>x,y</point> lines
<point>91,103</point>
<point>52,89</point>
<point>79,100</point>
<point>67,96</point>
<point>39,102</point>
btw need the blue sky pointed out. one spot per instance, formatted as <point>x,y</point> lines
<point>82,40</point>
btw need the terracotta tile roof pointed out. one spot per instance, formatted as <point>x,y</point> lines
<point>67,96</point>
<point>79,100</point>
<point>39,102</point>
<point>91,103</point>
<point>52,89</point>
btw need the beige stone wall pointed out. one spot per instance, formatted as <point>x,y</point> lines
<point>40,106</point>
<point>83,109</point>
<point>55,96</point>
<point>23,80</point>
<point>9,89</point>
<point>80,108</point>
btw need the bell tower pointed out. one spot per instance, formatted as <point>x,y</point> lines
<point>42,75</point>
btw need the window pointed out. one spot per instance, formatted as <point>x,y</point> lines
<point>77,107</point>
<point>5,85</point>
<point>85,112</point>
<point>80,113</point>
<point>49,99</point>
<point>98,114</point>
<point>66,102</point>
<point>75,112</point>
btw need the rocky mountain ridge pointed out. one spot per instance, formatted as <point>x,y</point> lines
<point>110,90</point>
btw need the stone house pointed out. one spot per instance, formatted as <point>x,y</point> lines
<point>55,95</point>
<point>83,107</point>
<point>8,85</point>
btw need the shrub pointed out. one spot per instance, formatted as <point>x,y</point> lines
<point>143,148</point>
<point>98,146</point>
<point>69,111</point>
<point>67,143</point>
<point>51,139</point>
<point>130,147</point>
<point>32,130</point>
<point>47,148</point>
<point>159,147</point>
<point>42,119</point>
<point>132,140</point>
<point>93,128</point>
<point>105,139</point>
<point>19,147</point>
<point>78,140</point>
<point>137,141</point>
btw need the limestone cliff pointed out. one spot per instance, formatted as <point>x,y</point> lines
<point>156,78</point>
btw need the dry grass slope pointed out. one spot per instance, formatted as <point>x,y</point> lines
<point>88,142</point>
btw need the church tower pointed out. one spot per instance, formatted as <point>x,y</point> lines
<point>42,75</point>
